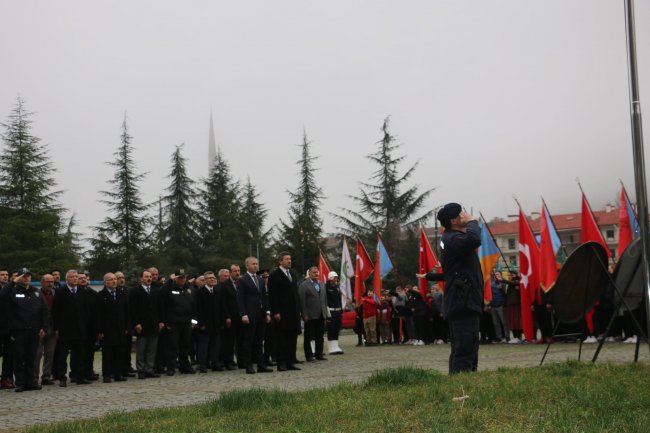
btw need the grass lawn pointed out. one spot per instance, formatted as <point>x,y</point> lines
<point>565,397</point>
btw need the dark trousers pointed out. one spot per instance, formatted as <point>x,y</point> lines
<point>334,326</point>
<point>146,347</point>
<point>545,320</point>
<point>25,346</point>
<point>208,349</point>
<point>161,350</point>
<point>231,343</point>
<point>285,345</point>
<point>7,356</point>
<point>395,328</point>
<point>314,330</point>
<point>269,343</point>
<point>420,327</point>
<point>89,356</point>
<point>112,361</point>
<point>126,365</point>
<point>252,337</point>
<point>464,336</point>
<point>180,339</point>
<point>76,350</point>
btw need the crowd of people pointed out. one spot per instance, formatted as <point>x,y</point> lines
<point>219,321</point>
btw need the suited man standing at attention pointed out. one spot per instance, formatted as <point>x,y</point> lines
<point>313,305</point>
<point>285,310</point>
<point>69,320</point>
<point>255,314</point>
<point>144,303</point>
<point>112,328</point>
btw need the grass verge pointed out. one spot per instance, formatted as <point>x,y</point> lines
<point>566,397</point>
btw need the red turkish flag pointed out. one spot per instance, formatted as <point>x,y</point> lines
<point>548,264</point>
<point>323,269</point>
<point>362,270</point>
<point>428,262</point>
<point>589,230</point>
<point>528,266</point>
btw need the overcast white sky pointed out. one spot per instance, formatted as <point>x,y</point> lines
<point>494,98</point>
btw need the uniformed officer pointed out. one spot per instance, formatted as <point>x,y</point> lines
<point>178,311</point>
<point>463,297</point>
<point>28,319</point>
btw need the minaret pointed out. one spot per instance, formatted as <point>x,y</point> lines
<point>212,144</point>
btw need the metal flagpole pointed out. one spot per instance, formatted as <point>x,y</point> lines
<point>637,146</point>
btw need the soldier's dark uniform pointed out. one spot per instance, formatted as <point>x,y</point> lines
<point>463,298</point>
<point>178,310</point>
<point>27,316</point>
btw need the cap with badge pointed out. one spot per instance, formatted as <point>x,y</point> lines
<point>180,273</point>
<point>449,212</point>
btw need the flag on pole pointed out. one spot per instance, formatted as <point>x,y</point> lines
<point>383,266</point>
<point>488,255</point>
<point>428,261</point>
<point>362,271</point>
<point>528,264</point>
<point>347,272</point>
<point>323,269</point>
<point>549,246</point>
<point>628,226</point>
<point>589,230</point>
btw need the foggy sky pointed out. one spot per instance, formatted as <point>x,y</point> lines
<point>492,98</point>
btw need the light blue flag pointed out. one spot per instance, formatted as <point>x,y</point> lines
<point>385,265</point>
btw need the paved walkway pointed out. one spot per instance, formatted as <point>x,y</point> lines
<point>19,410</point>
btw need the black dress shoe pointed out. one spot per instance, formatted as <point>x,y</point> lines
<point>33,387</point>
<point>282,367</point>
<point>292,367</point>
<point>19,389</point>
<point>311,359</point>
<point>47,382</point>
<point>321,358</point>
<point>271,363</point>
<point>170,373</point>
<point>188,371</point>
<point>203,370</point>
<point>264,370</point>
<point>219,368</point>
<point>82,382</point>
<point>120,379</point>
<point>231,367</point>
<point>295,361</point>
<point>250,370</point>
<point>148,375</point>
<point>63,383</point>
<point>142,375</point>
<point>107,380</point>
<point>92,378</point>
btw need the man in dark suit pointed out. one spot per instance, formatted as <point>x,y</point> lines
<point>285,310</point>
<point>144,305</point>
<point>112,328</point>
<point>210,315</point>
<point>69,320</point>
<point>231,334</point>
<point>313,305</point>
<point>255,314</point>
<point>91,345</point>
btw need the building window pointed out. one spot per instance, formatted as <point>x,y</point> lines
<point>609,234</point>
<point>511,243</point>
<point>513,261</point>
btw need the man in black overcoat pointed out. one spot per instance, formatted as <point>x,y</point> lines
<point>144,305</point>
<point>285,311</point>
<point>211,317</point>
<point>112,328</point>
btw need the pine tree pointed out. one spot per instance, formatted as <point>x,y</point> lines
<point>32,229</point>
<point>386,206</point>
<point>302,234</point>
<point>222,233</point>
<point>122,237</point>
<point>181,218</point>
<point>253,214</point>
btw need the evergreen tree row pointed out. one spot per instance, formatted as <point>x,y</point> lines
<point>202,224</point>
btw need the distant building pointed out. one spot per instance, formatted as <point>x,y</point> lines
<point>506,232</point>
